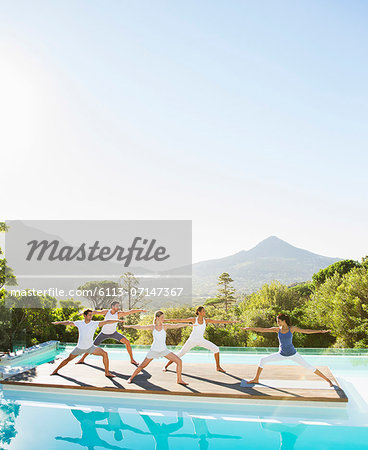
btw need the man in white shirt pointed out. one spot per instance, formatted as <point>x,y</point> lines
<point>86,328</point>
<point>109,331</point>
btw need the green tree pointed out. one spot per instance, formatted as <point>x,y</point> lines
<point>225,294</point>
<point>100,294</point>
<point>303,289</point>
<point>340,267</point>
<point>261,308</point>
<point>212,301</point>
<point>365,262</point>
<point>341,304</point>
<point>132,296</point>
<point>28,318</point>
<point>70,304</point>
<point>7,277</point>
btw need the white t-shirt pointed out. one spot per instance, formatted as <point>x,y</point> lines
<point>110,328</point>
<point>86,332</point>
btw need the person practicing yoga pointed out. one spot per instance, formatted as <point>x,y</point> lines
<point>109,331</point>
<point>196,338</point>
<point>286,350</point>
<point>159,348</point>
<point>86,329</point>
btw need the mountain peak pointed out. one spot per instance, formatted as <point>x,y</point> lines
<point>272,246</point>
<point>271,259</point>
<point>272,239</point>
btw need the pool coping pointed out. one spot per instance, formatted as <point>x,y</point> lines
<point>165,396</point>
<point>205,382</point>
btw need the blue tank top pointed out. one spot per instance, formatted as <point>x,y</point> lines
<point>286,344</point>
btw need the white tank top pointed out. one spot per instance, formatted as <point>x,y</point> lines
<point>159,340</point>
<point>198,330</point>
<point>110,328</point>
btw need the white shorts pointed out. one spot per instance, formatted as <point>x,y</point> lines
<point>191,343</point>
<point>80,351</point>
<point>153,354</point>
<point>278,357</point>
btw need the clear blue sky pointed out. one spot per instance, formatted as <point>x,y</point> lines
<point>250,118</point>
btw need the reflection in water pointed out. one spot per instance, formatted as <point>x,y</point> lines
<point>90,438</point>
<point>9,411</point>
<point>117,426</point>
<point>288,433</point>
<point>204,435</point>
<point>161,431</point>
<point>113,422</point>
<point>164,436</point>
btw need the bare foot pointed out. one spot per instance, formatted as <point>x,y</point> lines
<point>134,362</point>
<point>54,373</point>
<point>183,383</point>
<point>130,381</point>
<point>80,362</point>
<point>220,369</point>
<point>254,381</point>
<point>109,375</point>
<point>164,369</point>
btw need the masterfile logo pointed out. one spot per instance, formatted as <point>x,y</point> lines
<point>98,247</point>
<point>53,251</point>
<point>59,257</point>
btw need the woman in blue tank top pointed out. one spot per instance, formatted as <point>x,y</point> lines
<point>287,350</point>
<point>286,347</point>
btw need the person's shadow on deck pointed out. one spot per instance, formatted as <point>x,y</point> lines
<point>72,380</point>
<point>251,389</point>
<point>141,380</point>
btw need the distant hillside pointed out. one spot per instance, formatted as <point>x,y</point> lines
<point>271,259</point>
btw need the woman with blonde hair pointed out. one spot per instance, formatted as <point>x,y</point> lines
<point>158,348</point>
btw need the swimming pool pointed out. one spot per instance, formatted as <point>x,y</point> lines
<point>35,419</point>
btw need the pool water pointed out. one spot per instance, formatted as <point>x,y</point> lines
<point>35,419</point>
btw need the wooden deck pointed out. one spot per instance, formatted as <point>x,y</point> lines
<point>291,383</point>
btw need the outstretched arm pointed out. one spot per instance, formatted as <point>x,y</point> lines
<point>262,330</point>
<point>169,326</point>
<point>95,312</point>
<point>189,320</point>
<point>301,330</point>
<point>131,311</point>
<point>221,321</point>
<point>140,327</point>
<point>64,322</point>
<point>105,322</point>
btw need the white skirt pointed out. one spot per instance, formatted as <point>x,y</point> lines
<point>153,354</point>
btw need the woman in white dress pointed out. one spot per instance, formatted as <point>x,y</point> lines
<point>158,348</point>
<point>196,339</point>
